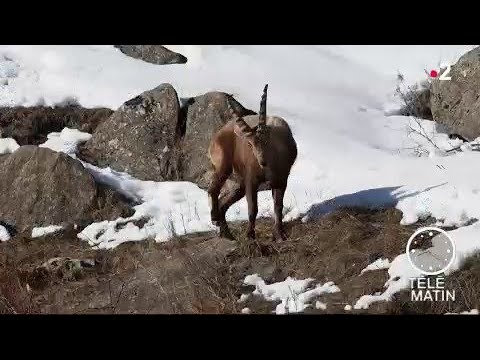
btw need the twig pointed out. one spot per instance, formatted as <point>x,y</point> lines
<point>423,133</point>
<point>118,298</point>
<point>453,149</point>
<point>183,222</point>
<point>475,147</point>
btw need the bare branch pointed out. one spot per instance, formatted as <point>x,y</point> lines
<point>410,97</point>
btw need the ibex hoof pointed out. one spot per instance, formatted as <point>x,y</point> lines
<point>215,219</point>
<point>279,235</point>
<point>225,232</point>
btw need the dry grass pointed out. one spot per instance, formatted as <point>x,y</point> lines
<point>197,274</point>
<point>14,297</point>
<point>137,277</point>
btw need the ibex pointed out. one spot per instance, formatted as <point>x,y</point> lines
<point>258,150</point>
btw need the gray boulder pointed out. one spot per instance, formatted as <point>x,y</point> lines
<point>41,187</point>
<point>455,103</point>
<point>203,116</point>
<point>140,137</point>
<point>154,54</point>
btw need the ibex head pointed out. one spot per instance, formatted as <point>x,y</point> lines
<point>257,137</point>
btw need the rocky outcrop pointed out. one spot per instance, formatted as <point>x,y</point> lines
<point>455,103</point>
<point>41,187</point>
<point>154,54</point>
<point>139,138</point>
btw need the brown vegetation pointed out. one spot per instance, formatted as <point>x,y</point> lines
<point>201,273</point>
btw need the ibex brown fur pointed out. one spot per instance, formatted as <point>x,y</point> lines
<point>257,149</point>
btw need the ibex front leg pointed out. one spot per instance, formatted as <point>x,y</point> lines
<point>236,193</point>
<point>218,179</point>
<point>252,209</point>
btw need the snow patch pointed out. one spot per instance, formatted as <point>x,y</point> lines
<point>46,230</point>
<point>293,294</point>
<point>4,235</point>
<point>245,311</point>
<point>243,298</point>
<point>378,264</point>
<point>8,146</point>
<point>66,141</point>
<point>174,208</point>
<point>320,305</point>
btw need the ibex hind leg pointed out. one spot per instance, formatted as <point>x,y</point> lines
<point>278,231</point>
<point>252,210</point>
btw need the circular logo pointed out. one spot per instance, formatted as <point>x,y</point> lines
<point>430,250</point>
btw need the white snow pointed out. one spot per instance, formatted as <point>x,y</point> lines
<point>293,294</point>
<point>4,235</point>
<point>471,312</point>
<point>42,231</point>
<point>174,208</point>
<point>243,298</point>
<point>378,264</point>
<point>66,141</point>
<point>336,99</point>
<point>8,146</point>
<point>245,311</point>
<point>348,307</point>
<point>320,305</point>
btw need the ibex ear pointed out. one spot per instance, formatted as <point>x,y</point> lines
<point>243,130</point>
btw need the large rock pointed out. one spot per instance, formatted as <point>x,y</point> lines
<point>154,54</point>
<point>41,187</point>
<point>455,103</point>
<point>139,138</point>
<point>202,117</point>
